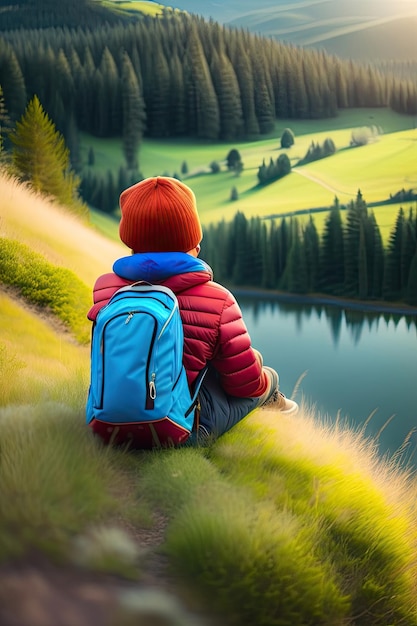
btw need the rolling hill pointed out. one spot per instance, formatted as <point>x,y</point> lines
<point>368,30</point>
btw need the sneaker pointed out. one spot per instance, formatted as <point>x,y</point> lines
<point>275,399</point>
<point>281,403</point>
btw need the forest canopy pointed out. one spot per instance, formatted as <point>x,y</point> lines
<point>183,76</point>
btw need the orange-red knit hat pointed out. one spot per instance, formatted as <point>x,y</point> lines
<point>159,215</point>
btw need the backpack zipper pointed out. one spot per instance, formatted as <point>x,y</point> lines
<point>152,387</point>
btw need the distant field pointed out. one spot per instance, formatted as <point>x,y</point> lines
<point>150,8</point>
<point>378,169</point>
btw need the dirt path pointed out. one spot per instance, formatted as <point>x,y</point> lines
<point>314,179</point>
<point>37,592</point>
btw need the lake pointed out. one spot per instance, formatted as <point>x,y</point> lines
<point>355,363</point>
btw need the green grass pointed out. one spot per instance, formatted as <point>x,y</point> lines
<point>289,521</point>
<point>63,239</point>
<point>55,289</point>
<point>108,225</point>
<point>282,521</point>
<point>36,362</point>
<point>53,475</point>
<point>378,169</point>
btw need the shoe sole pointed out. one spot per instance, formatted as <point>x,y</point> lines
<point>291,411</point>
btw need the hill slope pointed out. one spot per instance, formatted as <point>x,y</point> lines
<point>330,24</point>
<point>313,523</point>
<point>61,237</point>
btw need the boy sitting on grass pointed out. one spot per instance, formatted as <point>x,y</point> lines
<point>161,226</point>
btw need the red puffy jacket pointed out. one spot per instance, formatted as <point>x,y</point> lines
<point>214,331</point>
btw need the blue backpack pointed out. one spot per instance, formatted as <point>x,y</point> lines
<point>139,392</point>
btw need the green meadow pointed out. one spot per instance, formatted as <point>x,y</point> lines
<point>134,6</point>
<point>378,169</point>
<point>282,521</point>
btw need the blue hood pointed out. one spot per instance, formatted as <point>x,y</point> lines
<point>158,266</point>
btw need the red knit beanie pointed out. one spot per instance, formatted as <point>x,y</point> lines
<point>159,215</point>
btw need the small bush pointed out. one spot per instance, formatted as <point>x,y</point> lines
<point>317,151</point>
<point>54,288</point>
<point>287,138</point>
<point>215,167</point>
<point>364,135</point>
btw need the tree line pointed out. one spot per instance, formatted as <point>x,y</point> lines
<point>30,14</point>
<point>179,75</point>
<point>349,258</point>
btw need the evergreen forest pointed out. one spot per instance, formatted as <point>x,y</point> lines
<point>181,76</point>
<point>349,259</point>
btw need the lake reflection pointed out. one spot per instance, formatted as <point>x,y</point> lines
<point>356,362</point>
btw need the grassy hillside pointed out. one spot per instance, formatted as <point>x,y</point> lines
<point>45,363</point>
<point>283,521</point>
<point>63,239</point>
<point>378,169</point>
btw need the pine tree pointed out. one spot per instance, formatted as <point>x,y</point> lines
<point>312,253</point>
<point>278,77</point>
<point>178,123</point>
<point>378,259</point>
<point>281,242</point>
<point>340,85</point>
<point>408,249</point>
<point>12,80</point>
<point>362,264</point>
<point>85,109</point>
<point>296,276</point>
<point>228,96</point>
<point>41,157</point>
<point>332,255</point>
<point>234,194</point>
<point>202,106</point>
<point>312,86</point>
<point>411,292</point>
<point>357,212</point>
<point>243,69</point>
<point>241,249</point>
<point>64,83</point>
<point>264,102</point>
<point>266,252</point>
<point>393,276</point>
<point>133,108</point>
<point>112,111</point>
<point>254,259</point>
<point>4,125</point>
<point>159,102</point>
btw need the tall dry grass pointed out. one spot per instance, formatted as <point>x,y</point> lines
<point>62,238</point>
<point>292,521</point>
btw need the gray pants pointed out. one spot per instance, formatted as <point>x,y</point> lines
<point>219,411</point>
